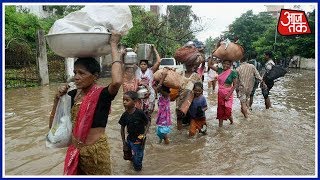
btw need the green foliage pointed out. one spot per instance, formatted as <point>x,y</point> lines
<point>210,45</point>
<point>20,26</point>
<point>248,28</point>
<point>167,33</point>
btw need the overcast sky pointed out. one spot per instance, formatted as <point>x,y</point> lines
<point>217,16</point>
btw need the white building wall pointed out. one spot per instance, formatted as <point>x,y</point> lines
<point>162,9</point>
<point>35,9</point>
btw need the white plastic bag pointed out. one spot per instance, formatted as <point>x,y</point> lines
<point>59,135</point>
<point>112,17</point>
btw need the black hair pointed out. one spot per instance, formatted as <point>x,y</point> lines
<point>132,94</point>
<point>90,63</point>
<point>198,84</point>
<point>268,53</point>
<point>254,55</point>
<point>165,89</point>
<point>143,60</point>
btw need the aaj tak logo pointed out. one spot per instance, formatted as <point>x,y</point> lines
<point>293,22</point>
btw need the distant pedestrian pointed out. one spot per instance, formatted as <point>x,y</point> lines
<point>258,66</point>
<point>227,80</point>
<point>269,83</point>
<point>212,75</point>
<point>248,75</point>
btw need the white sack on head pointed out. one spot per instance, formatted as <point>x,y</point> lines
<point>112,17</point>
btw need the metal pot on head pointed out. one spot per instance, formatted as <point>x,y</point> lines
<point>130,58</point>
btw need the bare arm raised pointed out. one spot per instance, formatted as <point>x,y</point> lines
<point>155,67</point>
<point>117,61</point>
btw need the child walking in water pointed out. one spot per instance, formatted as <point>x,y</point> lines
<point>197,111</point>
<point>137,125</point>
<point>164,115</point>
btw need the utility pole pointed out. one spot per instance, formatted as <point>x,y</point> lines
<point>276,32</point>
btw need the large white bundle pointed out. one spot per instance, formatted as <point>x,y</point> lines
<point>112,17</point>
<point>86,32</point>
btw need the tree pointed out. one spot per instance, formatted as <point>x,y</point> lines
<point>210,44</point>
<point>288,46</point>
<point>168,32</point>
<point>249,27</point>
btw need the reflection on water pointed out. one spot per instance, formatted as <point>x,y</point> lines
<point>279,141</point>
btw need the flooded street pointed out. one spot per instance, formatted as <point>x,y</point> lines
<point>275,142</point>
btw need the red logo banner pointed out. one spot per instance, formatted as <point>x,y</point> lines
<point>293,22</point>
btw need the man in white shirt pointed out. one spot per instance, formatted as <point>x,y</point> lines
<point>247,75</point>
<point>268,66</point>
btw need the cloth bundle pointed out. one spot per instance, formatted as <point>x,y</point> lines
<point>187,55</point>
<point>172,80</point>
<point>229,51</point>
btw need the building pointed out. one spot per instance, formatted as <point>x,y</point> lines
<point>157,9</point>
<point>274,10</point>
<point>38,10</point>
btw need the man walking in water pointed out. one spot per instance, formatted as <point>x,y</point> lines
<point>266,89</point>
<point>256,83</point>
<point>247,75</point>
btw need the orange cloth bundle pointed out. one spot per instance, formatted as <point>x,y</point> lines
<point>174,93</point>
<point>186,54</point>
<point>229,51</point>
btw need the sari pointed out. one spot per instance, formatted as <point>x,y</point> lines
<point>130,84</point>
<point>224,109</point>
<point>146,78</point>
<point>81,129</point>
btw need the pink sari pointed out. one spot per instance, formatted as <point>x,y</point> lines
<point>81,130</point>
<point>224,109</point>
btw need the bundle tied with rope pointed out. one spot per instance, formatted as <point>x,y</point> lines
<point>228,50</point>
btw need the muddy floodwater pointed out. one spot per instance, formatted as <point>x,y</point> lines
<point>275,142</point>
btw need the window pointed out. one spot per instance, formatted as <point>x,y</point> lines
<point>167,61</point>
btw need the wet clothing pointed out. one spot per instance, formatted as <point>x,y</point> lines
<point>135,123</point>
<point>161,131</point>
<point>82,158</point>
<point>198,117</point>
<point>137,154</point>
<point>247,75</point>
<point>196,125</point>
<point>224,110</point>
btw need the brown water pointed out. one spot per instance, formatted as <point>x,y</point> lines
<point>275,142</point>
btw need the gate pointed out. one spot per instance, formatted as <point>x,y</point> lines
<point>21,67</point>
